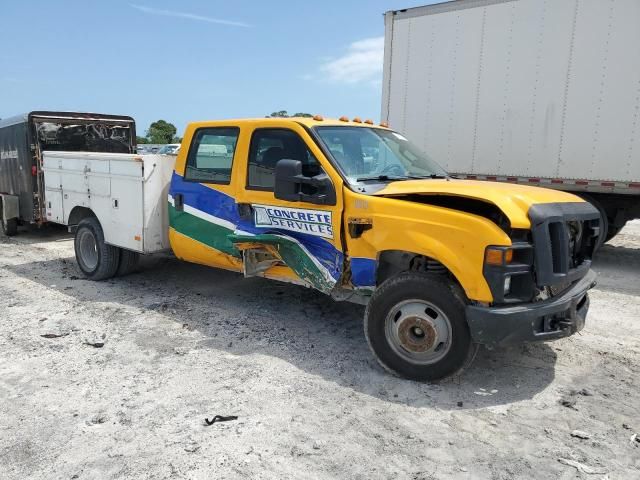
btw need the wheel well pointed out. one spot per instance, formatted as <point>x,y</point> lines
<point>78,214</point>
<point>393,262</point>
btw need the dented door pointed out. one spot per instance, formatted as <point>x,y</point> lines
<point>298,242</point>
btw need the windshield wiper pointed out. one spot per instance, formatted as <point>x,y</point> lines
<point>382,178</point>
<point>433,175</point>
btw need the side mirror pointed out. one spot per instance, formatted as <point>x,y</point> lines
<point>292,186</point>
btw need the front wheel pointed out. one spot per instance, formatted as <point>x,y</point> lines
<point>416,327</point>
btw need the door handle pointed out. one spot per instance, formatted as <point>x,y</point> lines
<point>178,202</point>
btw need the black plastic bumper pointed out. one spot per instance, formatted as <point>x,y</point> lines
<point>553,318</point>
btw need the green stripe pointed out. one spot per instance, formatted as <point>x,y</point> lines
<point>224,240</point>
<point>202,231</point>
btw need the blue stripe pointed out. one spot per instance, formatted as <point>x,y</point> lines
<point>363,272</point>
<point>221,205</point>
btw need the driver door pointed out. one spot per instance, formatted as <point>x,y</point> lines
<point>293,241</point>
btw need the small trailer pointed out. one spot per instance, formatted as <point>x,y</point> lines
<point>126,195</point>
<point>24,139</point>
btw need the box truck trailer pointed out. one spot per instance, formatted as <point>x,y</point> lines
<point>24,138</point>
<point>526,91</point>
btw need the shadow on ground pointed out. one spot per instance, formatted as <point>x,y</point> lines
<point>614,266</point>
<point>298,325</point>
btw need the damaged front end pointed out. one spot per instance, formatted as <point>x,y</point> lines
<point>540,283</point>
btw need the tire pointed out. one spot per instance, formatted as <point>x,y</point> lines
<point>415,325</point>
<point>9,227</point>
<point>96,259</point>
<point>128,262</point>
<point>613,231</point>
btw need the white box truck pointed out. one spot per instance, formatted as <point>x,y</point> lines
<point>525,91</point>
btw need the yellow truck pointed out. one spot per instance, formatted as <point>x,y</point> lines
<point>353,210</point>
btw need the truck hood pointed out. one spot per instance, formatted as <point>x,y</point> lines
<point>512,199</point>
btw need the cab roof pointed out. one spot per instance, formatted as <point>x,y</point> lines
<point>306,121</point>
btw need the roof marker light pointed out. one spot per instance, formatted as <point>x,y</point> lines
<point>318,118</point>
<point>344,119</point>
<point>357,120</point>
<point>368,121</point>
<point>384,124</point>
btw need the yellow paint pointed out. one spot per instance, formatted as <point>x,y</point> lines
<point>514,200</point>
<point>456,239</point>
<point>193,251</point>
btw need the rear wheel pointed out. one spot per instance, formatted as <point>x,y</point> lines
<point>613,231</point>
<point>9,226</point>
<point>128,262</point>
<point>416,327</point>
<point>96,259</point>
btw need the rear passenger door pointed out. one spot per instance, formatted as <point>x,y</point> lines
<point>291,241</point>
<point>202,208</point>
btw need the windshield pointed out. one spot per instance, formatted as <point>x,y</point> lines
<point>376,154</point>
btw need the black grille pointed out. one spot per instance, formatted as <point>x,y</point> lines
<point>564,237</point>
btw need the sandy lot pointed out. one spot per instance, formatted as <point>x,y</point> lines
<point>182,343</point>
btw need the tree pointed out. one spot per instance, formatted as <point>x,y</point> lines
<point>280,114</point>
<point>285,114</point>
<point>161,131</point>
<point>141,140</point>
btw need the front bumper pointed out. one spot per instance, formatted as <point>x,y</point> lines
<point>553,318</point>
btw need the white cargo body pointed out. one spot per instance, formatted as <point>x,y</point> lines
<point>530,91</point>
<point>126,192</point>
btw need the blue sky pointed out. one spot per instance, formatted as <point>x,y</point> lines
<point>193,60</point>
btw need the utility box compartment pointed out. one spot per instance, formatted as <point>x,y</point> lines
<point>126,192</point>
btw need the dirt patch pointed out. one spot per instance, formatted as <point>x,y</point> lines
<point>115,380</point>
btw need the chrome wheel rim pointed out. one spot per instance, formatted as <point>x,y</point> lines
<point>418,331</point>
<point>88,249</point>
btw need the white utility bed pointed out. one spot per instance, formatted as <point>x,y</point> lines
<point>126,192</point>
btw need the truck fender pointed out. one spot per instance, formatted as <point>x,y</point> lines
<point>10,206</point>
<point>461,268</point>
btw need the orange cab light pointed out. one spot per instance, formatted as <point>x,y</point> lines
<point>344,119</point>
<point>368,121</point>
<point>494,256</point>
<point>318,118</point>
<point>357,120</point>
<point>384,124</point>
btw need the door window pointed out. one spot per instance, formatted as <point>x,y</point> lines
<point>268,146</point>
<point>211,155</point>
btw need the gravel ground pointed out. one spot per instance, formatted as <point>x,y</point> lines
<point>115,380</point>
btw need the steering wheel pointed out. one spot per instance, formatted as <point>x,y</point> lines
<point>394,169</point>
